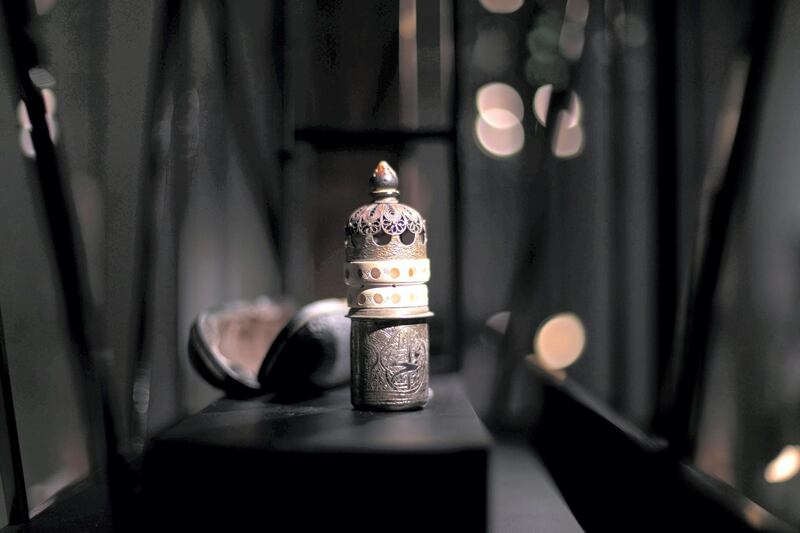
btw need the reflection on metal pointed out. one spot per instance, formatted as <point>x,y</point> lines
<point>785,466</point>
<point>386,269</point>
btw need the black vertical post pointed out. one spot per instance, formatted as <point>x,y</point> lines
<point>10,456</point>
<point>667,181</point>
<point>67,245</point>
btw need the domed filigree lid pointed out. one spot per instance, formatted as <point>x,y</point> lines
<point>392,219</point>
<point>385,229</point>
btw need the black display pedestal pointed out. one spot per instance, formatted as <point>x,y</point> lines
<point>321,465</point>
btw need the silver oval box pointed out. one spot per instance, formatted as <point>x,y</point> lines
<point>386,270</point>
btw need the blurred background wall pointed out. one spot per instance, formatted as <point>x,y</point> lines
<point>244,133</point>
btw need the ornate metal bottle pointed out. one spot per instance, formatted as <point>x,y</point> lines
<point>386,269</point>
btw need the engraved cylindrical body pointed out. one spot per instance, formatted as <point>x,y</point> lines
<point>389,364</point>
<point>386,271</point>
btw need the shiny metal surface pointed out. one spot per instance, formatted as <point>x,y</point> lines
<point>386,271</point>
<point>389,364</point>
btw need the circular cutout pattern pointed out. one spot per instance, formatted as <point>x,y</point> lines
<point>387,296</point>
<point>394,272</point>
<point>382,238</point>
<point>407,237</point>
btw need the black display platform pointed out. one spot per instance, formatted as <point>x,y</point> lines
<point>267,466</point>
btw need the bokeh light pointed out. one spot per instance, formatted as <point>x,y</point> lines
<point>502,6</point>
<point>26,143</point>
<point>785,466</point>
<point>25,140</point>
<point>541,105</point>
<point>546,64</point>
<point>41,77</point>
<point>494,46</point>
<point>22,116</point>
<point>631,30</point>
<point>577,11</point>
<point>499,142</point>
<point>755,514</point>
<point>50,106</point>
<point>570,42</point>
<point>500,118</point>
<point>494,96</point>
<point>498,128</point>
<point>43,7</point>
<point>559,341</point>
<point>498,322</point>
<point>568,141</point>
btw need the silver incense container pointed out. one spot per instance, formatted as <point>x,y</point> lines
<point>386,270</point>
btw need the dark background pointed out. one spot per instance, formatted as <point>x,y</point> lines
<point>258,124</point>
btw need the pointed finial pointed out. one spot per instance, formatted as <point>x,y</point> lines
<point>384,183</point>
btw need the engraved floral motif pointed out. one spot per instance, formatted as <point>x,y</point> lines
<point>403,366</point>
<point>397,359</point>
<point>392,219</point>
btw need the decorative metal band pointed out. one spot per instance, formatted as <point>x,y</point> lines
<point>364,248</point>
<point>389,218</point>
<point>388,297</point>
<point>389,313</point>
<point>371,273</point>
<point>389,364</point>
